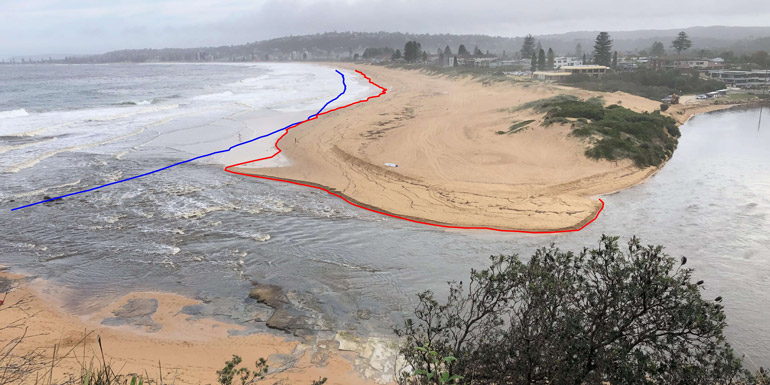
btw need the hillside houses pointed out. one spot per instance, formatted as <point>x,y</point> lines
<point>685,63</point>
<point>742,79</point>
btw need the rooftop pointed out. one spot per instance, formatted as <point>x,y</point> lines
<point>585,67</point>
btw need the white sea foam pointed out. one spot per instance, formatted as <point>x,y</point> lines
<point>13,113</point>
<point>227,95</point>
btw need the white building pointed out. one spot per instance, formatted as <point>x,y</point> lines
<point>565,61</point>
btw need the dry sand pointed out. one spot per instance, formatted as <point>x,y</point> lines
<point>190,350</point>
<point>452,166</point>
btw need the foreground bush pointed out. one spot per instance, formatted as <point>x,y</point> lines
<point>600,316</point>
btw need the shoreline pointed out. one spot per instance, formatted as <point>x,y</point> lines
<point>342,158</point>
<point>140,329</point>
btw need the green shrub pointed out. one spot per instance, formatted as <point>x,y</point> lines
<point>607,315</point>
<point>515,127</point>
<point>647,139</point>
<point>663,107</point>
<point>544,105</point>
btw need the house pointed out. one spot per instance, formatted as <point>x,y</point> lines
<point>590,70</point>
<point>550,76</point>
<point>742,79</point>
<point>485,62</point>
<point>567,61</point>
<point>681,62</point>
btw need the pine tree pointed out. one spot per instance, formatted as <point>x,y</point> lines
<point>578,50</point>
<point>657,49</point>
<point>603,49</point>
<point>541,60</point>
<point>550,60</point>
<point>682,43</point>
<point>396,55</point>
<point>533,64</point>
<point>528,47</point>
<point>447,51</point>
<point>584,59</point>
<point>462,51</point>
<point>412,51</point>
<point>615,60</point>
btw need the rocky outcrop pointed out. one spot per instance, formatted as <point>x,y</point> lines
<point>293,312</point>
<point>270,295</point>
<point>136,312</point>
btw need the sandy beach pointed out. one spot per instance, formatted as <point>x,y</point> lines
<point>453,168</point>
<point>141,329</point>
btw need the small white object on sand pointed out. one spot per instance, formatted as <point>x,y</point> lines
<point>391,164</point>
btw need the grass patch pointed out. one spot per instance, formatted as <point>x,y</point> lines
<point>616,132</point>
<point>544,105</point>
<point>515,127</point>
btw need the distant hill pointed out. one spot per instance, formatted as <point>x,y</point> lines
<point>340,45</point>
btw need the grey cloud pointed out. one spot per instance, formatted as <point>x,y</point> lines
<point>165,23</point>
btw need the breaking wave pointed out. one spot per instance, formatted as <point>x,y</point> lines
<point>13,113</point>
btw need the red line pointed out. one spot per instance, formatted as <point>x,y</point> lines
<point>382,92</point>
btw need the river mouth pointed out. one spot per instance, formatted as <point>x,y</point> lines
<point>209,235</point>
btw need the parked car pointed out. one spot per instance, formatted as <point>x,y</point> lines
<point>702,96</point>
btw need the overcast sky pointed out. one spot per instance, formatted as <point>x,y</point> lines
<point>31,27</point>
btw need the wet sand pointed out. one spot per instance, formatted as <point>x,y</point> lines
<point>143,328</point>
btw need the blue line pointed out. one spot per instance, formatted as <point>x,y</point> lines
<point>344,89</point>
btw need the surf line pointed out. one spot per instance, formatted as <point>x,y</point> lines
<point>311,117</point>
<point>382,92</point>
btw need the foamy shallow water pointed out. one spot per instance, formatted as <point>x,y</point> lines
<point>198,231</point>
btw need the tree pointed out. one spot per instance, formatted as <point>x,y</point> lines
<point>657,49</point>
<point>601,316</point>
<point>541,60</point>
<point>682,43</point>
<point>760,58</point>
<point>477,52</point>
<point>447,51</point>
<point>578,50</point>
<point>462,51</point>
<point>396,55</point>
<point>412,51</point>
<point>533,63</point>
<point>424,56</point>
<point>528,47</point>
<point>615,60</point>
<point>584,59</point>
<point>550,60</point>
<point>603,49</point>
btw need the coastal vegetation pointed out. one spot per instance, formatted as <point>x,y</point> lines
<point>516,127</point>
<point>609,315</point>
<point>615,132</point>
<point>647,83</point>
